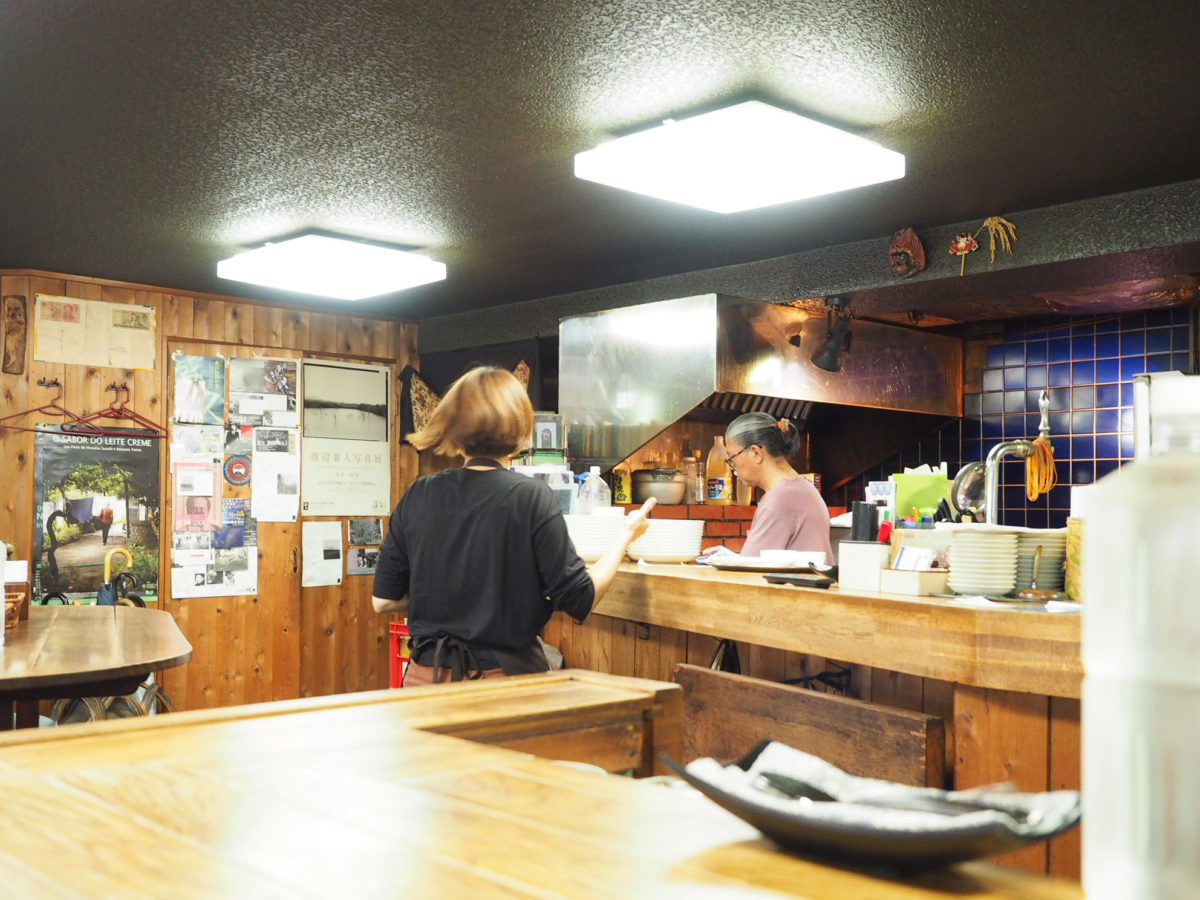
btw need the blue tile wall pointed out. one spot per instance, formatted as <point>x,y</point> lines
<point>1086,366</point>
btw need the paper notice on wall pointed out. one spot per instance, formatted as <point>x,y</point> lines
<point>94,333</point>
<point>347,451</point>
<point>275,476</point>
<point>321,548</point>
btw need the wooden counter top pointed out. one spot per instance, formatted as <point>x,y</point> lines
<point>1024,650</point>
<point>355,796</point>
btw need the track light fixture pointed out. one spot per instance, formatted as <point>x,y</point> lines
<point>837,336</point>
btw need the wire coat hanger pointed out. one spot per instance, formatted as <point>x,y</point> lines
<point>117,410</point>
<point>78,424</point>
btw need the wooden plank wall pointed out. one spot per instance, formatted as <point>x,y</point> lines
<point>281,642</point>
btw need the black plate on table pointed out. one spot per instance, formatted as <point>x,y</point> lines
<point>898,847</point>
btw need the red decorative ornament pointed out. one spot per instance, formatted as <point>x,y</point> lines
<point>961,246</point>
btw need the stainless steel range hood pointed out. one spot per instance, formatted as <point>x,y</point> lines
<point>627,374</point>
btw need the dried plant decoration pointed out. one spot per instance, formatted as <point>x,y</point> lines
<point>1000,231</point>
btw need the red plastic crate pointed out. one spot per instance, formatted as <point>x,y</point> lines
<point>397,653</point>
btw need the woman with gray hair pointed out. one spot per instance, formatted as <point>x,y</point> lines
<point>791,514</point>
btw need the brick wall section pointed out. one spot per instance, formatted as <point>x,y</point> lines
<point>726,525</point>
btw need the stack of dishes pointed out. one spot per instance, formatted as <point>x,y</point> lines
<point>669,540</point>
<point>592,535</point>
<point>983,560</point>
<point>1053,542</point>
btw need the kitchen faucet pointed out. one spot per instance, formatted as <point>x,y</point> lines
<point>1022,448</point>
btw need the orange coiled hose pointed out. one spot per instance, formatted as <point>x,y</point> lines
<point>1040,474</point>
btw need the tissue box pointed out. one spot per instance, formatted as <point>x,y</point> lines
<point>859,564</point>
<point>917,583</point>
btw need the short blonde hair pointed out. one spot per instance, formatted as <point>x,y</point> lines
<point>486,412</point>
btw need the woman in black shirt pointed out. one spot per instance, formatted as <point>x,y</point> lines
<point>479,557</point>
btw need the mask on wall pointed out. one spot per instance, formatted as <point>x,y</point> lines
<point>905,254</point>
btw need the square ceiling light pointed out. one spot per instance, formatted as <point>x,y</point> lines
<point>738,158</point>
<point>331,267</point>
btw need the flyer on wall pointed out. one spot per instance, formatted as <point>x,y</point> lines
<point>93,494</point>
<point>220,563</point>
<point>275,475</point>
<point>263,392</point>
<point>347,466</point>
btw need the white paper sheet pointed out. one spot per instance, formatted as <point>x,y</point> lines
<point>275,477</point>
<point>321,548</point>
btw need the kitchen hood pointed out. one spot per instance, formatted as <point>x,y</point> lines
<point>627,374</point>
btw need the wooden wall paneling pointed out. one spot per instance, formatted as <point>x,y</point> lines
<point>897,689</point>
<point>1002,736</point>
<point>647,651</point>
<point>239,326</point>
<point>16,447</point>
<point>700,649</point>
<point>624,655</point>
<point>268,325</point>
<point>295,330</point>
<point>672,649</point>
<point>182,319</point>
<point>1065,768</point>
<point>939,701</point>
<point>594,644</point>
<point>323,333</point>
<point>767,663</point>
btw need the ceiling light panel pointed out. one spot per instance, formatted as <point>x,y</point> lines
<point>331,267</point>
<point>738,158</point>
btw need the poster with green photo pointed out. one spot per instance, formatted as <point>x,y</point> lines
<point>95,494</point>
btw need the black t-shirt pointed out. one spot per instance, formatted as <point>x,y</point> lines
<point>483,556</point>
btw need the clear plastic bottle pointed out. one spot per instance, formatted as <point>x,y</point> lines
<point>690,474</point>
<point>1141,687</point>
<point>594,493</point>
<point>717,476</point>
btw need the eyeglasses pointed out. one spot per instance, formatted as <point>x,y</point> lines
<point>729,459</point>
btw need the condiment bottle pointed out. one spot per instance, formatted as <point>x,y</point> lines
<point>622,489</point>
<point>718,479</point>
<point>1141,686</point>
<point>698,488</point>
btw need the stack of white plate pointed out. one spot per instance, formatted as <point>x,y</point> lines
<point>983,560</point>
<point>1053,542</point>
<point>669,540</point>
<point>592,535</point>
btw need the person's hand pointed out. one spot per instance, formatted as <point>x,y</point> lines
<point>638,521</point>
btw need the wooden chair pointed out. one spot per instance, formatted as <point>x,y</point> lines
<point>726,715</point>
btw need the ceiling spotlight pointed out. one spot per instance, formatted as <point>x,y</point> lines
<point>837,336</point>
<point>332,267</point>
<point>737,158</point>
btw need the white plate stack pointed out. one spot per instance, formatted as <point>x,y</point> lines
<point>983,560</point>
<point>669,540</point>
<point>592,535</point>
<point>1053,542</point>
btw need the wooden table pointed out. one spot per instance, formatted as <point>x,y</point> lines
<point>373,795</point>
<point>72,651</point>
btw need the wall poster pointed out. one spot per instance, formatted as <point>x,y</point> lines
<point>347,464</point>
<point>93,494</point>
<point>263,392</point>
<point>199,389</point>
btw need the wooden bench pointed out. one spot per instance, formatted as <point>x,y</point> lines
<point>726,715</point>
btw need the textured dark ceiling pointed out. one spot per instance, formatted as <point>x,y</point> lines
<point>143,140</point>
